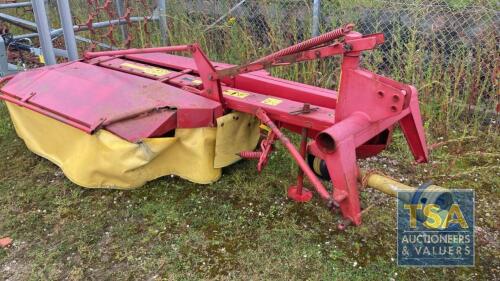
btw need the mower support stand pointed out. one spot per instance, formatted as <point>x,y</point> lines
<point>297,192</point>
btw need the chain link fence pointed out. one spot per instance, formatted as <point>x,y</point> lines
<point>447,48</point>
<point>446,24</point>
<point>449,24</point>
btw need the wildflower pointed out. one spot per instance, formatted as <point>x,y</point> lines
<point>231,21</point>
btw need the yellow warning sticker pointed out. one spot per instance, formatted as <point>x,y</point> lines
<point>271,101</point>
<point>151,70</point>
<point>236,94</point>
<point>196,82</point>
<point>265,128</point>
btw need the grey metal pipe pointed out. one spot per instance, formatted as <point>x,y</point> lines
<point>61,53</point>
<point>15,5</point>
<point>4,64</point>
<point>47,12</point>
<point>162,16</point>
<point>27,35</point>
<point>76,28</point>
<point>67,26</point>
<point>57,52</point>
<point>43,31</point>
<point>120,10</point>
<point>13,68</point>
<point>26,24</point>
<point>315,18</point>
<point>100,44</point>
<point>101,24</point>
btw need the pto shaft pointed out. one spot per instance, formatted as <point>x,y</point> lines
<point>425,194</point>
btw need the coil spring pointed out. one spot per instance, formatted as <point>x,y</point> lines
<point>316,41</point>
<point>250,154</point>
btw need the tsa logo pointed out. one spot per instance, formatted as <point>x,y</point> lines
<point>436,227</point>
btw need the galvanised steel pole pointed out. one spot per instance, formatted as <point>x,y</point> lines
<point>120,10</point>
<point>14,5</point>
<point>67,26</point>
<point>162,15</point>
<point>4,63</point>
<point>315,19</point>
<point>42,25</point>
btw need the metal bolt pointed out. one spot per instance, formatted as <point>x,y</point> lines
<point>347,47</point>
<point>306,108</point>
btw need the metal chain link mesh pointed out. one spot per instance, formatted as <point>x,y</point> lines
<point>447,23</point>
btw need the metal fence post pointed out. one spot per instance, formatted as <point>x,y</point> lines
<point>42,26</point>
<point>162,16</point>
<point>67,26</point>
<point>120,10</point>
<point>47,12</point>
<point>315,18</point>
<point>4,64</point>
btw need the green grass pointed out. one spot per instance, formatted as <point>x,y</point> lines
<point>243,226</point>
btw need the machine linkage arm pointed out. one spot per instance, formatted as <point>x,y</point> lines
<point>320,51</point>
<point>207,72</point>
<point>299,159</point>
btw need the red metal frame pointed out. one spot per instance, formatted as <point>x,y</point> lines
<point>342,125</point>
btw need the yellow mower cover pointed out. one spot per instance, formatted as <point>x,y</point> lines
<point>104,160</point>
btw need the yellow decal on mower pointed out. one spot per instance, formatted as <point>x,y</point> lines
<point>236,94</point>
<point>151,70</point>
<point>271,101</point>
<point>197,82</point>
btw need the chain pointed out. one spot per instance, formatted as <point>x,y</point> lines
<point>147,19</point>
<point>99,10</point>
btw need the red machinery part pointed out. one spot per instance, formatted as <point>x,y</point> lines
<point>140,93</point>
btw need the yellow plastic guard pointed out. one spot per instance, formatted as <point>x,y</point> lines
<point>103,160</point>
<point>236,132</point>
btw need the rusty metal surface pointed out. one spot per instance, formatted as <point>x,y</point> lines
<point>98,97</point>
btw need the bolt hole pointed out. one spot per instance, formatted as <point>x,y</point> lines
<point>394,108</point>
<point>395,98</point>
<point>380,94</point>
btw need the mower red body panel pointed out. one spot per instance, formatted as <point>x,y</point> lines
<point>130,106</point>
